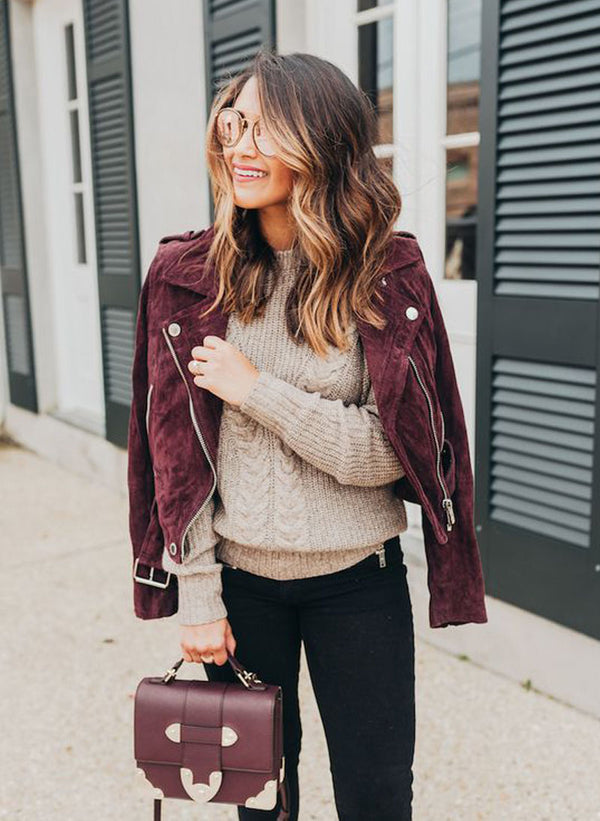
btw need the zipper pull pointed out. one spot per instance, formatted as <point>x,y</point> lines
<point>381,553</point>
<point>450,517</point>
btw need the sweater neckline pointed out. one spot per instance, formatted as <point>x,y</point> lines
<point>286,259</point>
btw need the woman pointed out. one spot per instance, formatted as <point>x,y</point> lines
<point>297,540</point>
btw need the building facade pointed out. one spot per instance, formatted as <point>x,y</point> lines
<point>488,122</point>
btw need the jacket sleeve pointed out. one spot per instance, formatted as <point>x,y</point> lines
<point>140,476</point>
<point>455,575</point>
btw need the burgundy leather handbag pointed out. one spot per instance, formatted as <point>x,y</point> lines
<point>211,741</point>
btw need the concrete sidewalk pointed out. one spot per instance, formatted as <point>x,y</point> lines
<point>73,653</point>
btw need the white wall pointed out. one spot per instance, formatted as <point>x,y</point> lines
<point>167,57</point>
<point>290,20</point>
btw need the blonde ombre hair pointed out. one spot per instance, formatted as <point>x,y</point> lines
<point>343,204</point>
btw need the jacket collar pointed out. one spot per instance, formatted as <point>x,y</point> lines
<point>193,273</point>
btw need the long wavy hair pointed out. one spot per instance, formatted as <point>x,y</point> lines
<point>343,204</point>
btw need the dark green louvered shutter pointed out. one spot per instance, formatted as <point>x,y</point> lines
<point>538,437</point>
<point>234,30</point>
<point>13,265</point>
<point>115,200</point>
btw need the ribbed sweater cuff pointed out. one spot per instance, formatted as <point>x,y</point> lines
<point>199,586</point>
<point>200,599</point>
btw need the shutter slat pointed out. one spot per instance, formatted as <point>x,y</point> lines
<point>115,201</point>
<point>543,425</point>
<point>235,31</point>
<point>13,259</point>
<point>548,167</point>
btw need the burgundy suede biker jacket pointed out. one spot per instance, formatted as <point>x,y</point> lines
<point>174,424</point>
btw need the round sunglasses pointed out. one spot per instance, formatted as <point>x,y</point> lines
<point>230,126</point>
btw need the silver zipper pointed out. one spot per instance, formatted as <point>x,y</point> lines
<point>201,440</point>
<point>446,501</point>
<point>148,406</point>
<point>381,553</point>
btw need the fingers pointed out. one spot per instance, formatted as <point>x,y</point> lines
<point>220,657</point>
<point>196,367</point>
<point>211,343</point>
<point>205,644</point>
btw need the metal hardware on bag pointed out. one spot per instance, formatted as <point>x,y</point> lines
<point>150,579</point>
<point>248,678</point>
<point>446,501</point>
<point>198,791</point>
<point>200,439</point>
<point>172,672</point>
<point>381,553</point>
<point>266,798</point>
<point>228,734</point>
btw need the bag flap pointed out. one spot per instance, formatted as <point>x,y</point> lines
<point>205,726</point>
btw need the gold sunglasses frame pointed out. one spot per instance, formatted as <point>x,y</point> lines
<point>244,125</point>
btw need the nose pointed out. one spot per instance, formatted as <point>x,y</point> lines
<point>246,143</point>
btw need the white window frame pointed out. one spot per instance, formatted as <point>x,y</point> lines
<point>419,122</point>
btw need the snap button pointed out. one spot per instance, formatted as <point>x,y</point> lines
<point>172,548</point>
<point>411,312</point>
<point>383,281</point>
<point>174,329</point>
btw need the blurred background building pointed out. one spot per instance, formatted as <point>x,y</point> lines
<point>489,122</point>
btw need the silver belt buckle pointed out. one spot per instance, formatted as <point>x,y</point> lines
<point>150,579</point>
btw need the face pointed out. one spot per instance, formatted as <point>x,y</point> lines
<point>255,192</point>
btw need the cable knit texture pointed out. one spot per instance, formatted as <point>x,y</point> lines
<point>305,470</point>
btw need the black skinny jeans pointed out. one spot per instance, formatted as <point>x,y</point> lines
<point>357,629</point>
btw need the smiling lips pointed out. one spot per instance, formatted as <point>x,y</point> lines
<point>247,175</point>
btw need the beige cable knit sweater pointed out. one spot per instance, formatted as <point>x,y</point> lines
<point>305,470</point>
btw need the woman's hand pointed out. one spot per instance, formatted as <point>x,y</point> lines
<point>222,369</point>
<point>207,642</point>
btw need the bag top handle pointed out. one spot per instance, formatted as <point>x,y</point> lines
<point>248,678</point>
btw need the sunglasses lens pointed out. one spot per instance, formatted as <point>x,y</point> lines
<point>264,142</point>
<point>228,130</point>
<point>228,127</point>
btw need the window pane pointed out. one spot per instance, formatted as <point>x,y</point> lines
<point>464,51</point>
<point>75,149</point>
<point>70,52</point>
<point>375,61</point>
<point>80,227</point>
<point>461,212</point>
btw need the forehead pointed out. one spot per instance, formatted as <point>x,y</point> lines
<point>247,102</point>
